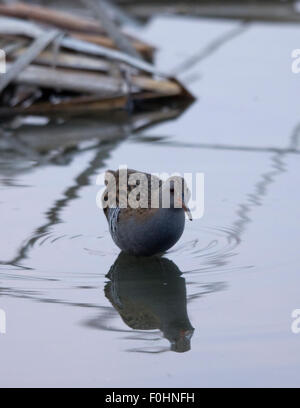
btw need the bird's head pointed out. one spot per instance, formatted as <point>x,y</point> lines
<point>176,194</point>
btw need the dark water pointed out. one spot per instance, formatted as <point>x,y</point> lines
<point>216,310</point>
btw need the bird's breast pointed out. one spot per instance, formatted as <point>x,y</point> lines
<point>146,232</point>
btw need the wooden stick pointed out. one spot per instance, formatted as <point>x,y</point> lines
<point>53,17</point>
<point>120,15</point>
<point>161,87</point>
<point>89,48</point>
<point>16,26</point>
<point>146,50</point>
<point>13,26</point>
<point>91,83</point>
<point>69,80</point>
<point>100,10</point>
<point>25,59</point>
<point>70,60</point>
<point>59,19</point>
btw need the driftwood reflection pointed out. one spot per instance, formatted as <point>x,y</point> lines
<point>60,141</point>
<point>277,166</point>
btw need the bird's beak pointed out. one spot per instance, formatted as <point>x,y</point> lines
<point>188,211</point>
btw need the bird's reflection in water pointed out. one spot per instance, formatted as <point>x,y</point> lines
<point>149,294</point>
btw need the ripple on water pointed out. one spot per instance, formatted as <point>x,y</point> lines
<point>210,250</point>
<point>49,239</point>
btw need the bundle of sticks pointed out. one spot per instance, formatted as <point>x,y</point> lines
<point>61,62</point>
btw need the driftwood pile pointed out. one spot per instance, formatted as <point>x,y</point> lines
<point>58,62</point>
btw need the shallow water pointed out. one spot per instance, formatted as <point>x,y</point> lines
<point>216,310</point>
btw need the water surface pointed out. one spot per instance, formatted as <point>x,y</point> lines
<point>216,310</point>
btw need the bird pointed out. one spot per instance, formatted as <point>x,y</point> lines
<point>146,216</point>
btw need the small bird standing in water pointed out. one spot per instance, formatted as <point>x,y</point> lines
<point>146,216</point>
